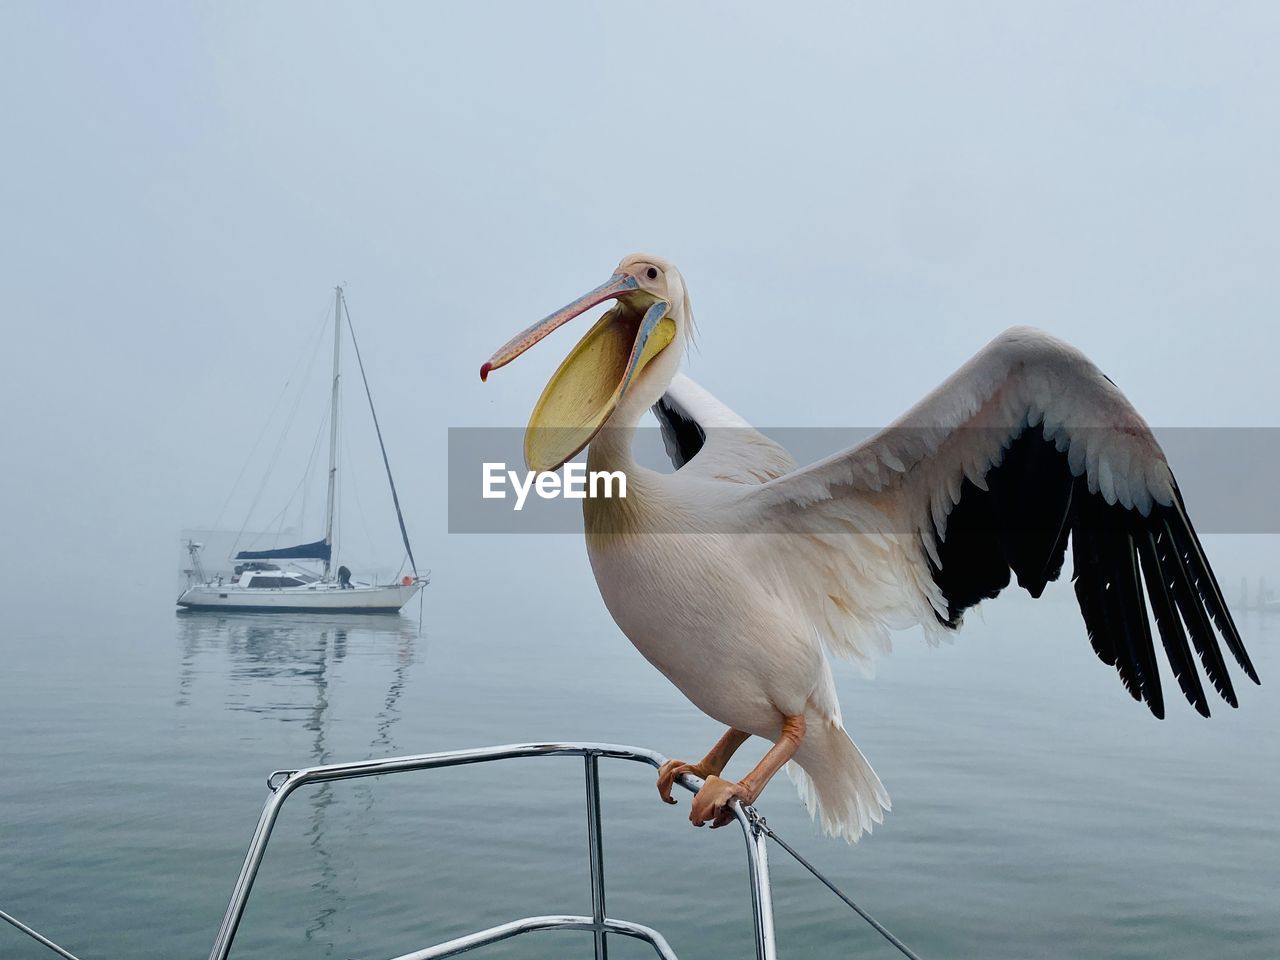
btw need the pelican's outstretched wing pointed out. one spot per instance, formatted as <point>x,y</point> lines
<point>1024,446</point>
<point>705,438</point>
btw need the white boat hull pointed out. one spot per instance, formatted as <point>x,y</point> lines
<point>320,598</point>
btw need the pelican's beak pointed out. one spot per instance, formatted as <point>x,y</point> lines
<point>589,384</point>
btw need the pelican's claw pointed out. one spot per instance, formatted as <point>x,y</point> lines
<point>670,771</point>
<point>712,802</point>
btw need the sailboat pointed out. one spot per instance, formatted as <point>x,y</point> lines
<point>275,579</point>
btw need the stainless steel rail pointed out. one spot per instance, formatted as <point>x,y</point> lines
<point>39,938</point>
<point>282,783</point>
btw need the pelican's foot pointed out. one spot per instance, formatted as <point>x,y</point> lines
<point>712,802</point>
<point>670,771</point>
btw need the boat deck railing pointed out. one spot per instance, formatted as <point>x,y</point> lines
<point>755,832</point>
<point>282,783</point>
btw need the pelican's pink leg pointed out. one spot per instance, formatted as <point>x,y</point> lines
<point>712,801</point>
<point>709,766</point>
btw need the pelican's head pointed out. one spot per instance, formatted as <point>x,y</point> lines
<point>615,360</point>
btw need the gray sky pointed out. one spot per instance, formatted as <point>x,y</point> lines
<point>859,197</point>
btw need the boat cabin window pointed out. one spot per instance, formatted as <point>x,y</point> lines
<point>262,583</point>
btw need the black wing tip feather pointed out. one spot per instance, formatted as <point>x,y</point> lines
<point>1191,604</point>
<point>1172,635</point>
<point>1178,588</point>
<point>1206,583</point>
<point>1110,599</point>
<point>1021,523</point>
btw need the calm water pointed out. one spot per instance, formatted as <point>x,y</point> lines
<point>1037,811</point>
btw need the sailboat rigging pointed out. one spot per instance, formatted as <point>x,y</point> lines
<point>260,583</point>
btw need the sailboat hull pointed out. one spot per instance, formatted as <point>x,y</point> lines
<point>315,599</point>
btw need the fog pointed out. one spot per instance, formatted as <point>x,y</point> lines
<point>859,196</point>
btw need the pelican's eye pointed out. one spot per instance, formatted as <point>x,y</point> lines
<point>652,273</point>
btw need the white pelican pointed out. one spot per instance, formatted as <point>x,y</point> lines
<point>732,574</point>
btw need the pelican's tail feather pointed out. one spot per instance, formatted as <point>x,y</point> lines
<point>836,783</point>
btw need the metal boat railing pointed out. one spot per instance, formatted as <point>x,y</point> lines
<point>755,831</point>
<point>282,783</point>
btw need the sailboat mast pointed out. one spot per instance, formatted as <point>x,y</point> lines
<point>333,424</point>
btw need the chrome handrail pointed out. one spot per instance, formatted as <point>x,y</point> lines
<point>282,783</point>
<point>38,937</point>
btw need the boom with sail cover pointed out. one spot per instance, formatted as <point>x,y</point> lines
<point>320,550</point>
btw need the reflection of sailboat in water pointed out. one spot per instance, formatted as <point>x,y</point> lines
<point>272,662</point>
